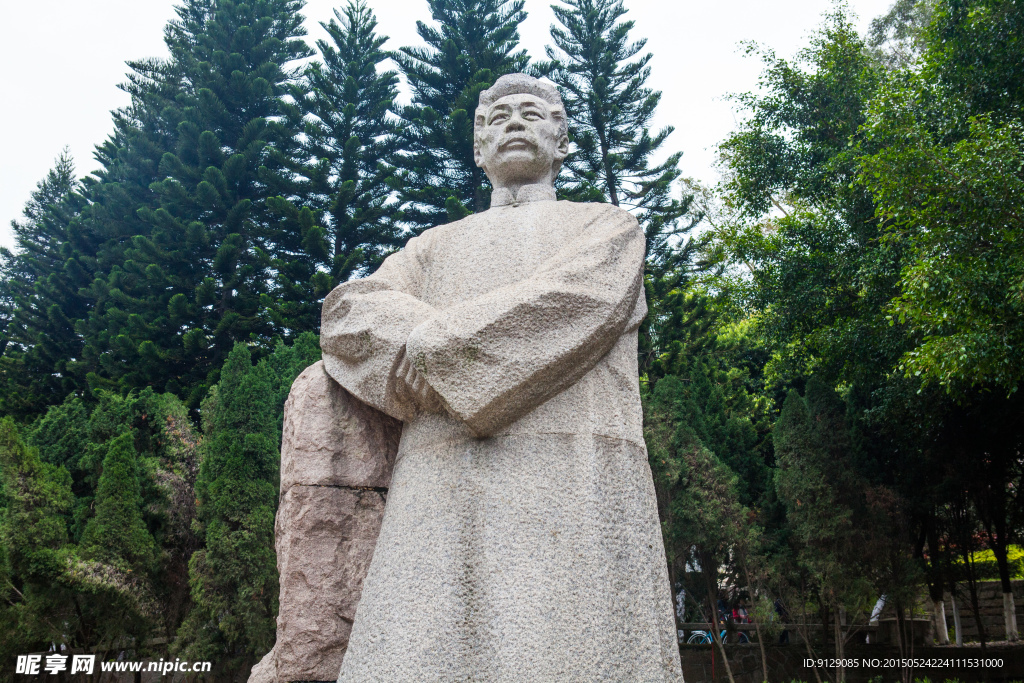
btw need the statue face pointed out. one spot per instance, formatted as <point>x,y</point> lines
<point>520,142</point>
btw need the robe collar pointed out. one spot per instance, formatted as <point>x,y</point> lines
<point>503,196</point>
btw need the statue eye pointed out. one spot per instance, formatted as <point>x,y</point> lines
<point>532,115</point>
<point>498,118</point>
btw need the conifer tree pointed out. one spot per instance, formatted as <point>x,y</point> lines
<point>824,498</point>
<point>234,576</point>
<point>117,533</point>
<point>34,500</point>
<point>197,277</point>
<point>133,462</point>
<point>119,190</point>
<point>602,77</point>
<point>339,217</point>
<point>472,45</point>
<point>40,298</point>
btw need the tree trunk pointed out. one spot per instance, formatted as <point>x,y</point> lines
<point>1010,616</point>
<point>958,634</point>
<point>757,627</point>
<point>939,619</point>
<point>1000,548</point>
<point>840,669</point>
<point>935,580</point>
<point>707,567</point>
<point>806,635</point>
<point>972,585</point>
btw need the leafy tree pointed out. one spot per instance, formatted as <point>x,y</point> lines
<point>955,209</point>
<point>337,204</point>
<point>472,44</point>
<point>942,155</point>
<point>976,58</point>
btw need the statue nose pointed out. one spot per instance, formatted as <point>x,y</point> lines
<point>515,123</point>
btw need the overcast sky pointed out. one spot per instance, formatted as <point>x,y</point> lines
<point>64,58</point>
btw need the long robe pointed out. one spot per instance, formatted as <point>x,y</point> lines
<point>520,540</point>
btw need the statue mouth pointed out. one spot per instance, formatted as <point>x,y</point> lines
<point>516,143</point>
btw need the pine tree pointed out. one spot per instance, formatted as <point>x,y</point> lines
<point>234,576</point>
<point>339,215</point>
<point>603,84</point>
<point>39,297</point>
<point>133,462</point>
<point>119,191</point>
<point>824,496</point>
<point>117,533</point>
<point>473,45</point>
<point>33,540</point>
<point>197,276</point>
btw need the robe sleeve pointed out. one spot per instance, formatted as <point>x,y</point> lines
<point>495,358</point>
<point>365,324</point>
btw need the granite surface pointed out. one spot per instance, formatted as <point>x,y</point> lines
<point>337,454</point>
<point>520,541</point>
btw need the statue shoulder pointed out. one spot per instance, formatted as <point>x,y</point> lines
<point>600,211</point>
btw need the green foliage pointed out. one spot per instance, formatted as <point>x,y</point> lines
<point>818,487</point>
<point>33,534</point>
<point>234,575</point>
<point>602,76</point>
<point>117,533</point>
<point>946,178</point>
<point>704,524</point>
<point>816,272</point>
<point>198,276</point>
<point>35,495</point>
<point>957,210</point>
<point>976,57</point>
<point>472,44</point>
<point>120,469</point>
<point>337,204</point>
<point>819,281</point>
<point>705,508</point>
<point>40,297</point>
<point>700,435</point>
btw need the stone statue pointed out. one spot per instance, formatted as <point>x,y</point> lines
<point>520,539</point>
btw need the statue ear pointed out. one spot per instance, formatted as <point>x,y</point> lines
<point>478,158</point>
<point>563,146</point>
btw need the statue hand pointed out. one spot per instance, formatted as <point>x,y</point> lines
<point>412,386</point>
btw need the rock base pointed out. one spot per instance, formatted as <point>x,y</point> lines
<point>336,460</point>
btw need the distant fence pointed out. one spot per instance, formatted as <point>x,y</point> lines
<point>990,601</point>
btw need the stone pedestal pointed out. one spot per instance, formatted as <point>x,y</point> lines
<point>336,460</point>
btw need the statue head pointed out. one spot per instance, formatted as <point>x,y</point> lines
<point>520,133</point>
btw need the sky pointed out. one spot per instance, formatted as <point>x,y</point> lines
<point>65,58</point>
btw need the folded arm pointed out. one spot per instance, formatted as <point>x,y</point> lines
<point>497,357</point>
<point>364,328</point>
